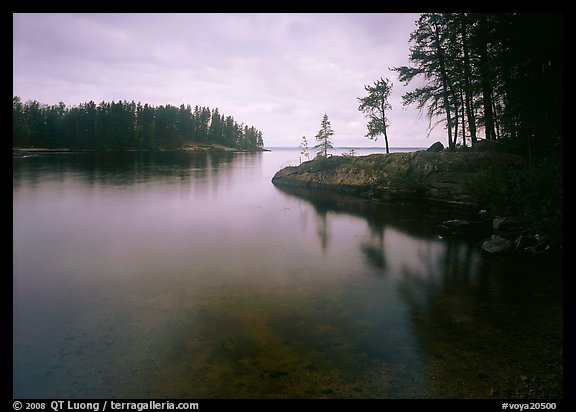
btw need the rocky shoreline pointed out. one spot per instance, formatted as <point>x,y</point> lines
<point>439,177</point>
<point>442,177</point>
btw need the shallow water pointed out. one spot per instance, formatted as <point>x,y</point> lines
<point>189,275</point>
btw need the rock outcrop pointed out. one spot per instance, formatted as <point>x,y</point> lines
<point>436,147</point>
<point>424,175</point>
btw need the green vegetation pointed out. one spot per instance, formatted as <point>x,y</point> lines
<point>323,162</point>
<point>374,106</point>
<point>126,125</point>
<point>533,191</point>
<point>304,150</point>
<point>323,137</point>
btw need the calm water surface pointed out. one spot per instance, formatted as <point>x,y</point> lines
<point>189,275</point>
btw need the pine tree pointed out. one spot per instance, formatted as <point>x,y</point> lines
<point>429,57</point>
<point>374,106</point>
<point>304,148</point>
<point>323,137</point>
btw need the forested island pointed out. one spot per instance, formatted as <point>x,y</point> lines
<point>127,125</point>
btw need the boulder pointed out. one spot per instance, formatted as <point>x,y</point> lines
<point>436,147</point>
<point>496,245</point>
<point>532,244</point>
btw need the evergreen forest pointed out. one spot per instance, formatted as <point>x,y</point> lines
<point>126,125</point>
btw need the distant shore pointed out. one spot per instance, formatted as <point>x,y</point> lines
<point>197,147</point>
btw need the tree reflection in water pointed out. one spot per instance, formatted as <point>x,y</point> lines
<point>487,327</point>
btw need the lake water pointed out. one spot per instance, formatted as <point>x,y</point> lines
<point>189,275</point>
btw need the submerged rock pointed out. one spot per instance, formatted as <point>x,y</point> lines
<point>496,245</point>
<point>524,244</point>
<point>532,244</point>
<point>456,223</point>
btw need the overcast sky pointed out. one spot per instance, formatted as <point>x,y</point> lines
<point>277,72</point>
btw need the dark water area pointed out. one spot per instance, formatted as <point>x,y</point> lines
<point>189,275</point>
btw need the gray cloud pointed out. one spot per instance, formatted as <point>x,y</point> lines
<point>277,72</point>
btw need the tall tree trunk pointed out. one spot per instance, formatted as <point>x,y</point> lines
<point>383,109</point>
<point>386,140</point>
<point>458,104</point>
<point>444,78</point>
<point>462,104</point>
<point>467,83</point>
<point>486,79</point>
<point>496,114</point>
<point>456,114</point>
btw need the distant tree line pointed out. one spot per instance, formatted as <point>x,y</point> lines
<point>492,76</point>
<point>126,125</point>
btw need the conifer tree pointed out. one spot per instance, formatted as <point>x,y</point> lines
<point>323,137</point>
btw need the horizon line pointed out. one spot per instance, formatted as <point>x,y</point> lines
<point>355,147</point>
